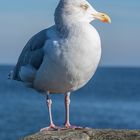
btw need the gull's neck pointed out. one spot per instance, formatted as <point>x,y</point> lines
<point>66,25</point>
<point>64,22</point>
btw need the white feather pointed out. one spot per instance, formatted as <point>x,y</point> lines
<point>27,73</point>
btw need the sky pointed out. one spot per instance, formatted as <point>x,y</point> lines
<point>20,20</point>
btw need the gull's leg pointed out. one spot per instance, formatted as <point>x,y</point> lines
<point>49,104</point>
<point>67,108</point>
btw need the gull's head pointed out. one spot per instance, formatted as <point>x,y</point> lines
<point>79,10</point>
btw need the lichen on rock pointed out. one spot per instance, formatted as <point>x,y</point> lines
<point>86,134</point>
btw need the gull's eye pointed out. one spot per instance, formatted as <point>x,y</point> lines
<point>84,6</point>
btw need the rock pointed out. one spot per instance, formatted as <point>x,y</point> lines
<point>86,134</point>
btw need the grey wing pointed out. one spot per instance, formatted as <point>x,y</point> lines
<point>32,54</point>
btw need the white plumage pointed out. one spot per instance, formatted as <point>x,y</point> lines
<point>69,62</point>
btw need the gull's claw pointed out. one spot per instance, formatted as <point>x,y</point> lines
<point>50,128</point>
<point>69,126</point>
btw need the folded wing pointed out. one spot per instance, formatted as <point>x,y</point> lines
<point>30,59</point>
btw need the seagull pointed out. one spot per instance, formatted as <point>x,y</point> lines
<point>63,57</point>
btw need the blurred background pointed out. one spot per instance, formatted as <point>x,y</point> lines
<point>111,98</point>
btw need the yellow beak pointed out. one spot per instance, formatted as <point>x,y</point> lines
<point>102,17</point>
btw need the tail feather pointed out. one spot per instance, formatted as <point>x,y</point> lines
<point>11,75</point>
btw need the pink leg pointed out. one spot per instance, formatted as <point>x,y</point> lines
<point>67,104</point>
<point>52,126</point>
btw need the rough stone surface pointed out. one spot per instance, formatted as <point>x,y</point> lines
<point>86,134</point>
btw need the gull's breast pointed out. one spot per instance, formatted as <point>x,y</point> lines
<point>69,64</point>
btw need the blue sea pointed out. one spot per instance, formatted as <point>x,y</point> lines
<point>110,100</point>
